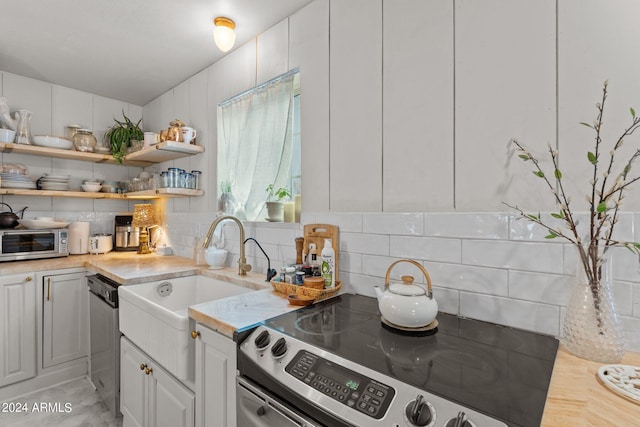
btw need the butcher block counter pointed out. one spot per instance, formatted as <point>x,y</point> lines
<point>577,398</point>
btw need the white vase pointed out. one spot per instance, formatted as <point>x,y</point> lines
<point>592,329</point>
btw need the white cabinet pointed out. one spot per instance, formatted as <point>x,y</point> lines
<point>64,318</point>
<point>505,87</point>
<point>356,106</point>
<point>17,328</point>
<point>215,379</point>
<point>417,113</point>
<point>149,396</point>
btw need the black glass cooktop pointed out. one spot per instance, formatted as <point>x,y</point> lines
<point>500,371</point>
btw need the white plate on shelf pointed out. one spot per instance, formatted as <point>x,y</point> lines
<point>35,224</point>
<point>54,186</point>
<point>56,176</point>
<point>52,142</point>
<point>19,185</point>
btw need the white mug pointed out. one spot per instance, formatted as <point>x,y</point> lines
<point>188,134</point>
<point>150,138</point>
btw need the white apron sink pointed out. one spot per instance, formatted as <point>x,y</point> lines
<point>157,319</point>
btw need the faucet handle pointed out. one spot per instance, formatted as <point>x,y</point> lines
<point>245,267</point>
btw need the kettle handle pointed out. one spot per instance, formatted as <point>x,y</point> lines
<point>410,261</point>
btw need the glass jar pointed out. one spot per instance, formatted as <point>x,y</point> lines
<point>174,177</point>
<point>165,178</point>
<point>84,140</point>
<point>196,179</point>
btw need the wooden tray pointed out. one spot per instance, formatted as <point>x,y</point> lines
<point>316,233</point>
<point>287,289</point>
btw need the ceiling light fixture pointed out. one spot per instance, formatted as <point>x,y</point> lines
<point>224,33</point>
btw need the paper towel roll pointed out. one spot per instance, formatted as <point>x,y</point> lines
<point>79,237</point>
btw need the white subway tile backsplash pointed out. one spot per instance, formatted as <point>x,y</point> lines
<point>347,222</point>
<point>481,280</point>
<point>373,244</point>
<point>392,223</point>
<point>527,315</point>
<point>447,299</point>
<point>482,265</point>
<point>426,248</point>
<point>361,284</point>
<point>541,257</point>
<point>378,266</point>
<point>467,225</point>
<point>540,287</point>
<point>631,326</point>
<point>350,262</point>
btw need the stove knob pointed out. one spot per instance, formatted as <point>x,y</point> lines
<point>279,348</point>
<point>262,340</point>
<point>418,412</point>
<point>461,421</point>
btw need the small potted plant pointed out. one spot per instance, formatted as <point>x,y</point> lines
<point>120,135</point>
<point>275,203</point>
<point>227,201</point>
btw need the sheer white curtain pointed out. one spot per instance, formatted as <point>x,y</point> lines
<point>254,144</point>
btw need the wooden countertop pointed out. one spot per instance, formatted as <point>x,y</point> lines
<point>577,398</point>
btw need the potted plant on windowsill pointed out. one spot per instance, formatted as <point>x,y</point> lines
<point>120,135</point>
<point>275,203</point>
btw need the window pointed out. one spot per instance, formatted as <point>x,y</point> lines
<point>259,143</point>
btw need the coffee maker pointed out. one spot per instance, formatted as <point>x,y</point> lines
<point>127,237</point>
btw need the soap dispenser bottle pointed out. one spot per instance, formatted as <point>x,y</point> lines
<point>328,263</point>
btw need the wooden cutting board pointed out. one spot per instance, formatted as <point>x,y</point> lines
<point>316,233</point>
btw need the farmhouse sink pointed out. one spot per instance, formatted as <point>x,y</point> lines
<point>155,317</point>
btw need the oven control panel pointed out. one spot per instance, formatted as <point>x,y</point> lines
<point>339,383</point>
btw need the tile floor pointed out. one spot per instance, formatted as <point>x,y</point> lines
<point>72,404</point>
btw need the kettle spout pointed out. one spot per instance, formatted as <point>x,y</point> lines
<point>378,292</point>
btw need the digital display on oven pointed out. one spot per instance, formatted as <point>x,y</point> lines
<point>338,375</point>
<point>349,388</point>
<point>28,242</point>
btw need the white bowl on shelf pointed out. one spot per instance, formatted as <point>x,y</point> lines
<point>52,142</point>
<point>7,135</point>
<point>91,188</point>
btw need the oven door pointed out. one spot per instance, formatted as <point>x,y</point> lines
<point>257,409</point>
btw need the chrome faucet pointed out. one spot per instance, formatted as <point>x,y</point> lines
<point>243,267</point>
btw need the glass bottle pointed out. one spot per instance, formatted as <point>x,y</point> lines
<point>23,127</point>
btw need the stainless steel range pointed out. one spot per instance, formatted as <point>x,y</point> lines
<point>336,364</point>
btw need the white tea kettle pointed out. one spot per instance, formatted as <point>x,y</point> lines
<point>406,304</point>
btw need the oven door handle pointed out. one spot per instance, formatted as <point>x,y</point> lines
<point>269,403</point>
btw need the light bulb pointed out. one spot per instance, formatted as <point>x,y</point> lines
<point>224,33</point>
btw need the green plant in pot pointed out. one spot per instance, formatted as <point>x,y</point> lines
<point>275,202</point>
<point>120,135</point>
<point>228,203</point>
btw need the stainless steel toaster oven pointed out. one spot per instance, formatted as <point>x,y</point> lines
<point>17,245</point>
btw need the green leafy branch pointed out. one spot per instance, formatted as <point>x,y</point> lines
<point>605,201</point>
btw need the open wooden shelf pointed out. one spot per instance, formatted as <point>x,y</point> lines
<point>167,150</point>
<point>137,195</point>
<point>162,152</point>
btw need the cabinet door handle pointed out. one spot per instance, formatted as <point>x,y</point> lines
<point>48,288</point>
<point>148,371</point>
<point>142,366</point>
<point>29,278</point>
<point>195,334</point>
